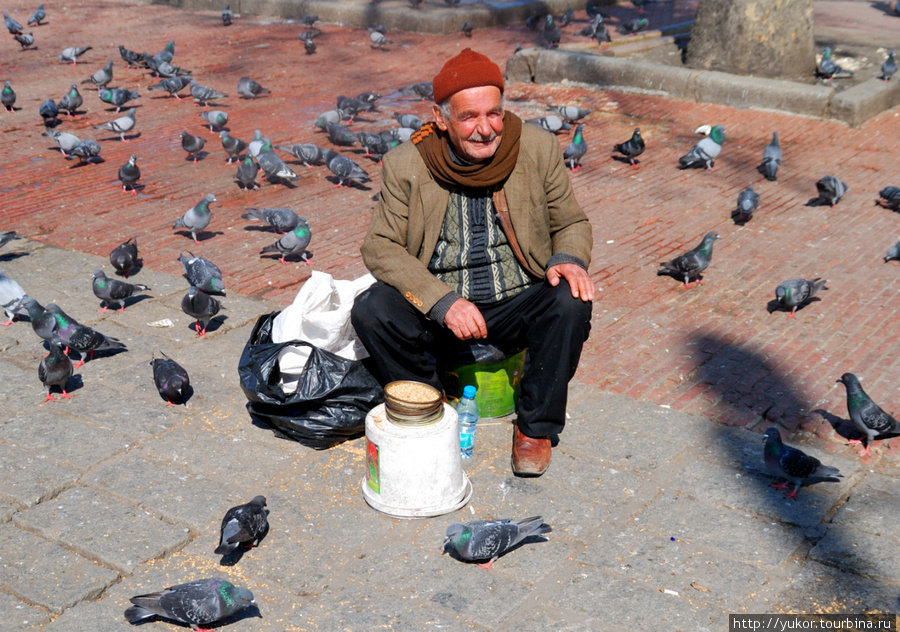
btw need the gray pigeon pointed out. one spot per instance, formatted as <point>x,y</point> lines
<point>64,140</point>
<point>49,111</point>
<point>691,263</point>
<point>193,145</point>
<point>102,77</point>
<point>550,123</point>
<point>466,28</point>
<point>423,89</point>
<point>283,220</point>
<point>132,58</point>
<point>166,70</point>
<point>78,337</point>
<point>309,35</point>
<point>55,369</point>
<point>203,95</point>
<point>634,25</point>
<point>489,539</point>
<point>307,153</point>
<point>129,174</point>
<point>6,237</point>
<point>893,254</point>
<point>72,53</point>
<point>378,39</point>
<point>121,125</point>
<point>201,306</point>
<point>828,69</point>
<point>217,119</point>
<point>197,603</point>
<point>255,144</point>
<point>374,144</point>
<point>246,174</point>
<point>87,150</point>
<point>632,148</point>
<point>25,40</point>
<point>250,89</point>
<point>172,381</point>
<point>831,190</point>
<point>167,54</point>
<point>310,47</point>
<point>244,525</point>
<point>408,120</point>
<point>747,202</point>
<point>234,147</point>
<point>793,465</point>
<point>704,153</point>
<point>202,274</point>
<point>551,33</point>
<point>71,101</point>
<point>345,169</point>
<point>197,217</point>
<point>576,149</point>
<point>293,242</point>
<point>42,322</point>
<point>272,165</point>
<point>890,198</point>
<point>124,256</point>
<point>11,298</point>
<point>172,85</point>
<point>113,291</point>
<point>117,96</point>
<point>796,292</point>
<point>771,159</point>
<point>8,97</point>
<point>227,15</point>
<point>38,16</point>
<point>570,113</point>
<point>12,25</point>
<point>331,116</point>
<point>340,135</point>
<point>889,66</point>
<point>309,19</point>
<point>867,415</point>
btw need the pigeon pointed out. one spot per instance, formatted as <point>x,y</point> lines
<point>171,379</point>
<point>129,174</point>
<point>691,263</point>
<point>12,25</point>
<point>42,322</point>
<point>632,148</point>
<point>309,46</point>
<point>309,35</point>
<point>466,28</point>
<point>121,125</point>
<point>633,26</point>
<point>234,147</point>
<point>705,152</point>
<point>272,165</point>
<point>489,539</point>
<point>570,113</point>
<point>328,118</point>
<point>255,144</point>
<point>71,101</point>
<point>747,202</point>
<point>243,525</point>
<point>8,97</point>
<point>250,89</point>
<point>368,97</point>
<point>164,69</point>
<point>217,119</point>
<point>576,149</point>
<point>11,297</point>
<point>78,337</point>
<point>55,369</point>
<point>351,106</point>
<point>102,77</point>
<point>309,19</point>
<point>374,144</point>
<point>172,85</point>
<point>113,291</point>
<point>797,467</point>
<point>890,198</point>
<point>345,169</point>
<point>591,29</point>
<point>795,292</point>
<point>86,150</point>
<point>340,135</point>
<point>378,39</point>
<point>73,53</point>
<point>293,242</point>
<point>246,174</point>
<point>124,256</point>
<point>889,67</point>
<point>283,220</point>
<point>424,89</point>
<point>867,415</point>
<point>771,159</point>
<point>893,254</point>
<point>831,190</point>
<point>117,97</point>
<point>49,111</point>
<point>552,123</point>
<point>38,16</point>
<point>408,120</point>
<point>551,33</point>
<point>7,237</point>
<point>601,35</point>
<point>25,40</point>
<point>203,95</point>
<point>566,18</point>
<point>227,15</point>
<point>533,22</point>
<point>307,153</point>
<point>196,603</point>
<point>132,58</point>
<point>828,69</point>
<point>202,273</point>
<point>197,217</point>
<point>201,306</point>
<point>64,140</point>
<point>193,145</point>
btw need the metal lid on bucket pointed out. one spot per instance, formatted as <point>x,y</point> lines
<point>409,403</point>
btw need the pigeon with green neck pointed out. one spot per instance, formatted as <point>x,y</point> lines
<point>71,101</point>
<point>704,153</point>
<point>797,467</point>
<point>197,603</point>
<point>197,217</point>
<point>489,539</point>
<point>78,337</point>
<point>867,415</point>
<point>200,306</point>
<point>796,292</point>
<point>113,291</point>
<point>691,263</point>
<point>293,242</point>
<point>576,149</point>
<point>55,369</point>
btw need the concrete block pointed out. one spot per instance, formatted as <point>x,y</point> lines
<point>816,587</point>
<point>858,551</point>
<point>19,616</point>
<point>863,101</point>
<point>28,478</point>
<point>759,92</point>
<point>871,507</point>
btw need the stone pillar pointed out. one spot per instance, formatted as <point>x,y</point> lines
<point>764,38</point>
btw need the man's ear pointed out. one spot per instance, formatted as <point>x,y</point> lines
<point>439,117</point>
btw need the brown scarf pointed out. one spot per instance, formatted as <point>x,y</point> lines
<point>433,144</point>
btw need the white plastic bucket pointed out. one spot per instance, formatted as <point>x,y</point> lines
<point>414,471</point>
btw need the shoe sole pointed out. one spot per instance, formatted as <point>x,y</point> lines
<point>527,473</point>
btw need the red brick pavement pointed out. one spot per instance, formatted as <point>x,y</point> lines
<point>714,349</point>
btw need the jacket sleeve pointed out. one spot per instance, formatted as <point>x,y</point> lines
<point>569,227</point>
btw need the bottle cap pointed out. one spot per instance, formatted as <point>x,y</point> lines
<point>469,392</point>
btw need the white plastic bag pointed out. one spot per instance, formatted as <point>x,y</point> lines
<point>320,315</point>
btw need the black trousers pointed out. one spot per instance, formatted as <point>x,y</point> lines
<point>546,319</point>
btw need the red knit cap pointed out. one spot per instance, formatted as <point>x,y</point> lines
<point>467,70</point>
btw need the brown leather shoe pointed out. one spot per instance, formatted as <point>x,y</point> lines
<point>530,457</point>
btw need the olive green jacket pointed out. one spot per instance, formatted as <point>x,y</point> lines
<point>410,213</point>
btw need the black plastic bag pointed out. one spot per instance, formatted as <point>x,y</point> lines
<point>332,398</point>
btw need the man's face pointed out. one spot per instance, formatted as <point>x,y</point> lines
<point>475,124</point>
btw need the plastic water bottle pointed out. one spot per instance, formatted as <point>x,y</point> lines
<point>467,412</point>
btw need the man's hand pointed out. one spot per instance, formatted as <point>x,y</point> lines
<point>577,277</point>
<point>465,320</point>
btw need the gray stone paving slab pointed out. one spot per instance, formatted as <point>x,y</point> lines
<point>20,616</point>
<point>27,478</point>
<point>6,511</point>
<point>618,410</point>
<point>103,528</point>
<point>872,507</point>
<point>21,386</point>
<point>96,616</point>
<point>45,574</point>
<point>815,587</point>
<point>138,420</point>
<point>858,551</point>
<point>542,619</point>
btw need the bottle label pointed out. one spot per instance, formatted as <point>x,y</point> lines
<point>466,440</point>
<point>373,474</point>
